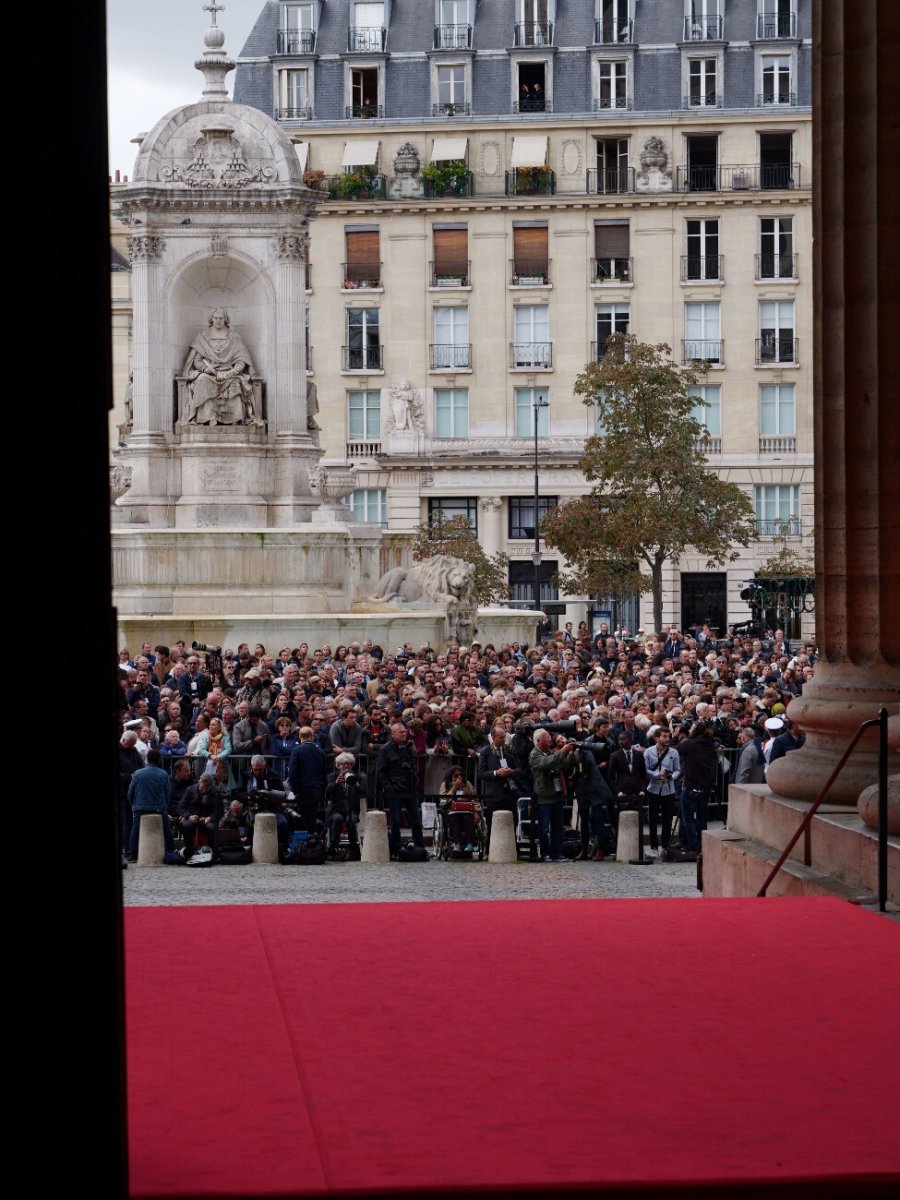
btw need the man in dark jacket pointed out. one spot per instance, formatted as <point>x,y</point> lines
<point>398,783</point>
<point>149,792</point>
<point>129,762</point>
<point>200,808</point>
<point>791,739</point>
<point>549,769</point>
<point>593,796</point>
<point>499,778</point>
<point>251,735</point>
<point>307,776</point>
<point>698,761</point>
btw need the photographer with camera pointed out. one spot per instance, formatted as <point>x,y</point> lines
<point>663,769</point>
<point>593,796</point>
<point>342,805</point>
<point>549,769</point>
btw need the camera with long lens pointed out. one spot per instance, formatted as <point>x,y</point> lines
<point>205,648</point>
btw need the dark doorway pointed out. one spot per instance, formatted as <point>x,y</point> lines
<point>702,162</point>
<point>703,600</point>
<point>775,167</point>
<point>532,88</point>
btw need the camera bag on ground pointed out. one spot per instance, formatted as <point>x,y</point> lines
<point>412,853</point>
<point>306,849</point>
<point>203,858</point>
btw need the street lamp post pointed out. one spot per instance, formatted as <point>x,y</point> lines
<point>538,403</point>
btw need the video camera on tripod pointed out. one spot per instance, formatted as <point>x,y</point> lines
<point>213,661</point>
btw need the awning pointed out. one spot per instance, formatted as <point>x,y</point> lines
<point>360,154</point>
<point>302,149</point>
<point>529,152</point>
<point>443,149</point>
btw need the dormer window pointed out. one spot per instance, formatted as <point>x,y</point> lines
<point>367,32</point>
<point>453,26</point>
<point>297,34</point>
<point>534,22</point>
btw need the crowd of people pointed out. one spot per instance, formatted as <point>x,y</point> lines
<point>315,735</point>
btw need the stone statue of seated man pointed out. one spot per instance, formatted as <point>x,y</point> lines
<point>218,373</point>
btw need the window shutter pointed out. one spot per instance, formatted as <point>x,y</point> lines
<point>530,245</point>
<point>611,241</point>
<point>451,250</point>
<point>363,248</point>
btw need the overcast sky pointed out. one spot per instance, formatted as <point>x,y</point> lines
<point>152,49</point>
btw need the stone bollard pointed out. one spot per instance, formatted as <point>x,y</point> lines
<point>627,845</point>
<point>265,838</point>
<point>151,847</point>
<point>375,839</point>
<point>502,848</point>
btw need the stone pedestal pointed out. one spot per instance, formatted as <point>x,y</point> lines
<point>857,431</point>
<point>265,838</point>
<point>375,838</point>
<point>628,843</point>
<point>502,848</point>
<point>404,441</point>
<point>151,844</point>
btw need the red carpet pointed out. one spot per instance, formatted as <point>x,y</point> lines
<point>280,1050</point>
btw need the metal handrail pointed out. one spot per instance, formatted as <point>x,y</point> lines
<point>882,722</point>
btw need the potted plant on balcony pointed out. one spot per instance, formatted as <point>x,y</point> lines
<point>531,180</point>
<point>361,184</point>
<point>314,180</point>
<point>446,179</point>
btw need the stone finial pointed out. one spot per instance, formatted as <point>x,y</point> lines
<point>215,63</point>
<point>406,160</point>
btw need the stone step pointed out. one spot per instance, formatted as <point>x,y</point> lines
<point>837,844</point>
<point>737,866</point>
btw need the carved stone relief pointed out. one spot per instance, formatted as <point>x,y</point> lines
<point>406,412</point>
<point>654,175</point>
<point>490,158</point>
<point>146,247</point>
<point>218,162</point>
<point>119,480</point>
<point>571,157</point>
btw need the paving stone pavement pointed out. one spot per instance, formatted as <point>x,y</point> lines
<point>355,883</point>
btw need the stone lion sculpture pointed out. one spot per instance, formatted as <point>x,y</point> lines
<point>435,582</point>
<point>439,582</point>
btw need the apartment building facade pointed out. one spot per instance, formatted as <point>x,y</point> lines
<point>507,183</point>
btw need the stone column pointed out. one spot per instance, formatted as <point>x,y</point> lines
<point>856,369</point>
<point>491,524</point>
<point>152,416</point>
<point>288,414</point>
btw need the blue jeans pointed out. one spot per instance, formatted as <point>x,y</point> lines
<point>550,816</point>
<point>694,803</point>
<point>136,831</point>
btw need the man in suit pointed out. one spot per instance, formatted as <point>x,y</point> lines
<point>626,775</point>
<point>499,778</point>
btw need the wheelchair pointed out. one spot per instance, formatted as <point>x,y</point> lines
<point>441,834</point>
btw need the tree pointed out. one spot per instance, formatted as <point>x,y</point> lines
<point>654,494</point>
<point>454,536</point>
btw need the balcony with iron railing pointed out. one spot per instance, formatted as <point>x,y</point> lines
<point>529,272</point>
<point>598,348</point>
<point>778,445</point>
<point>707,268</point>
<point>536,356</point>
<point>452,37</point>
<point>361,358</point>
<point>703,350</point>
<point>774,349</point>
<point>447,182</point>
<point>613,181</point>
<point>703,29</point>
<point>363,112</point>
<point>363,39</point>
<point>533,104</point>
<point>449,274</point>
<point>293,114</point>
<point>712,99</point>
<point>776,266</point>
<point>452,357</point>
<point>450,108</point>
<point>357,185</point>
<point>296,41</point>
<point>533,33</point>
<point>776,25</point>
<point>776,100</point>
<point>362,449</point>
<point>606,103</point>
<point>608,33</point>
<point>749,177</point>
<point>778,527</point>
<point>530,181</point>
<point>361,275</point>
<point>612,270</point>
